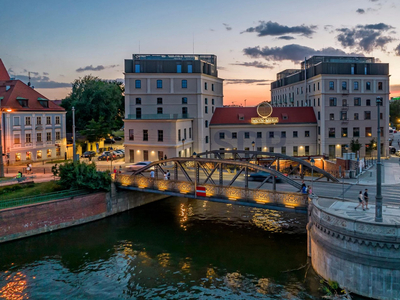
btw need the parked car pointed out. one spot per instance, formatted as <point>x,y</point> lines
<point>139,165</point>
<point>109,141</point>
<point>392,150</point>
<point>117,138</point>
<point>109,154</point>
<point>119,153</point>
<point>260,176</point>
<point>397,153</point>
<point>88,154</point>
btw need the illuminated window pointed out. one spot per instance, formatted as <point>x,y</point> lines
<point>39,154</point>
<point>48,152</point>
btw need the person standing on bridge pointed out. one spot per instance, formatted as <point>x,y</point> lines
<point>366,198</point>
<point>360,201</point>
<point>152,174</point>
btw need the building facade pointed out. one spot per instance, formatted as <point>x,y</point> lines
<point>33,127</point>
<point>342,91</point>
<point>169,102</point>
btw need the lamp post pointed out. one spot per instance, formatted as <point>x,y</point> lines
<point>378,197</point>
<point>1,140</point>
<point>312,162</point>
<point>253,144</point>
<point>73,135</point>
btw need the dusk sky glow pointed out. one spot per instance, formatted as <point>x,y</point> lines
<point>59,41</point>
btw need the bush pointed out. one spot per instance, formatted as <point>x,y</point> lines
<point>80,175</point>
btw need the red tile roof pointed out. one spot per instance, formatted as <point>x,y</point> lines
<point>12,90</point>
<point>3,72</point>
<point>293,115</point>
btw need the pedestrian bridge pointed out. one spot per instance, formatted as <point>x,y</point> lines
<point>189,175</point>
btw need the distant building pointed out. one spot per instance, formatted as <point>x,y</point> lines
<point>169,102</point>
<point>33,127</point>
<point>342,91</point>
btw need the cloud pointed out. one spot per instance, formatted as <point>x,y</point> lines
<point>45,73</point>
<point>10,71</point>
<point>365,37</point>
<point>43,82</point>
<point>221,68</point>
<point>293,52</point>
<point>34,73</point>
<point>212,29</point>
<point>246,81</point>
<point>227,27</point>
<point>98,68</point>
<point>285,37</point>
<point>397,50</point>
<point>273,28</point>
<point>360,11</point>
<point>256,64</point>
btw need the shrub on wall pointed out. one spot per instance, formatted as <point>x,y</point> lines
<point>81,175</point>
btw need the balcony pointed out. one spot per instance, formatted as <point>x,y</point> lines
<point>158,117</point>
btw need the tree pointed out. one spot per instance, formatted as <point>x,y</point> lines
<point>394,111</point>
<point>355,145</point>
<point>95,130</point>
<point>94,98</point>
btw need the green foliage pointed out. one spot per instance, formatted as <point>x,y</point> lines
<point>81,175</point>
<point>96,130</point>
<point>355,145</point>
<point>15,187</point>
<point>54,170</point>
<point>94,98</point>
<point>394,111</point>
<point>330,288</point>
<point>29,189</point>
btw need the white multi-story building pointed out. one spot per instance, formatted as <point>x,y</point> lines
<point>169,102</point>
<point>342,90</point>
<point>33,127</point>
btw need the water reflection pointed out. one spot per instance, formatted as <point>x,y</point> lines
<point>15,287</point>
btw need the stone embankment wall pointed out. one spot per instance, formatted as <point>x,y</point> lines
<point>24,221</point>
<point>362,257</point>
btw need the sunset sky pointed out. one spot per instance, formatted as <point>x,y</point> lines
<point>59,41</point>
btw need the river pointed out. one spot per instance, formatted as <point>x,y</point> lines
<point>172,249</point>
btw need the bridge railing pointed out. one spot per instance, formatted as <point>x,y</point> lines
<point>261,196</point>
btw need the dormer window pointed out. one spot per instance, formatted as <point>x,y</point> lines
<point>22,101</point>
<point>44,102</point>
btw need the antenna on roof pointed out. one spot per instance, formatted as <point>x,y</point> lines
<point>29,76</point>
<point>193,42</point>
<point>245,102</point>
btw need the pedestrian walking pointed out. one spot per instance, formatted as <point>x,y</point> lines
<point>152,174</point>
<point>290,170</point>
<point>165,176</point>
<point>165,158</point>
<point>120,169</point>
<point>309,190</point>
<point>19,176</point>
<point>168,175</point>
<point>303,188</point>
<point>115,170</point>
<point>360,201</point>
<point>28,170</point>
<point>366,198</point>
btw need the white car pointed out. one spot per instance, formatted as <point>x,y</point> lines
<point>398,153</point>
<point>139,165</point>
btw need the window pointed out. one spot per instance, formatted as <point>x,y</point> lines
<point>380,85</point>
<point>271,134</point>
<point>39,137</point>
<point>184,111</point>
<point>48,136</point>
<point>205,85</point>
<point>352,69</point>
<point>23,102</point>
<point>179,134</point>
<point>271,149</point>
<point>205,101</point>
<point>38,120</point>
<point>221,135</point>
<point>145,135</point>
<point>212,87</point>
<point>367,115</point>
<point>27,121</point>
<point>319,115</point>
<point>307,150</point>
<point>368,102</point>
<point>212,102</point>
<point>331,132</point>
<point>184,84</point>
<point>159,110</point>
<point>184,100</point>
<point>234,135</point>
<point>184,133</point>
<point>138,84</point>
<point>212,109</point>
<point>295,134</point>
<point>206,123</point>
<point>57,120</point>
<point>357,101</point>
<point>137,68</point>
<point>259,149</point>
<point>355,85</point>
<point>332,101</point>
<point>48,120</point>
<point>58,135</point>
<point>283,134</point>
<point>381,116</point>
<point>331,117</point>
<point>295,151</point>
<point>343,115</point>
<point>139,101</point>
<point>314,87</point>
<point>48,152</point>
<point>307,133</point>
<point>178,70</point>
<point>160,135</point>
<point>368,131</point>
<point>319,130</point>
<point>344,131</point>
<point>44,103</point>
<point>331,85</point>
<point>206,139</point>
<point>39,154</point>
<point>318,86</point>
<point>190,68</point>
<point>301,90</point>
<point>381,129</point>
<point>368,86</point>
<point>356,131</point>
<point>159,100</point>
<point>131,135</point>
<point>190,134</point>
<point>344,102</point>
<point>17,138</point>
<point>145,155</point>
<point>356,116</point>
<point>259,135</point>
<point>283,150</point>
<point>344,85</point>
<point>159,84</point>
<point>138,113</point>
<point>206,109</point>
<point>247,135</point>
<point>16,121</point>
<point>318,102</point>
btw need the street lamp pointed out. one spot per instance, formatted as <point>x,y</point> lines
<point>73,134</point>
<point>1,139</point>
<point>378,197</point>
<point>253,144</point>
<point>184,152</point>
<point>312,162</point>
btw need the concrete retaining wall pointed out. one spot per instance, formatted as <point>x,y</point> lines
<point>25,221</point>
